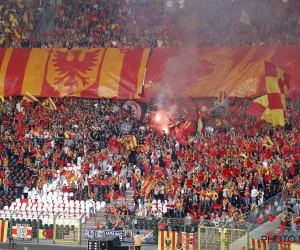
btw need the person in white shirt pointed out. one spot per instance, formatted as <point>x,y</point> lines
<point>254,193</point>
<point>91,205</point>
<point>109,169</point>
<point>260,196</point>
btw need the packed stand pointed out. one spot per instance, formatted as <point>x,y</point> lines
<point>18,21</point>
<point>143,24</point>
<point>228,170</point>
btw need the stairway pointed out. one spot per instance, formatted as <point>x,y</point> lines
<point>100,215</point>
<point>47,22</point>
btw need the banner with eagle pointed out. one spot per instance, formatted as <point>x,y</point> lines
<point>167,240</point>
<point>92,73</point>
<point>236,71</point>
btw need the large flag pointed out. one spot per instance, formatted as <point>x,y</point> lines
<point>271,107</point>
<point>135,109</point>
<point>29,98</point>
<point>130,141</point>
<point>91,73</point>
<point>3,230</point>
<point>260,108</point>
<point>49,104</point>
<point>277,84</point>
<point>188,241</point>
<point>221,110</point>
<point>167,240</point>
<point>148,184</point>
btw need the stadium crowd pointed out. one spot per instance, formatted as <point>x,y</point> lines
<point>229,168</point>
<point>143,24</point>
<point>232,167</point>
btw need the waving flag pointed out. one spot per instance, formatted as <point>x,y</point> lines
<point>148,184</point>
<point>271,107</point>
<point>278,83</point>
<point>245,19</point>
<point>267,142</point>
<point>130,141</point>
<point>29,98</point>
<point>135,109</point>
<point>49,104</point>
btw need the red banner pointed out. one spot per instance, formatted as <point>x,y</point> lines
<point>93,73</point>
<point>205,72</point>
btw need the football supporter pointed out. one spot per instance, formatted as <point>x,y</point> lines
<point>78,148</point>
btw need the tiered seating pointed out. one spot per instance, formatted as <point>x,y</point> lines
<point>48,206</point>
<point>158,205</point>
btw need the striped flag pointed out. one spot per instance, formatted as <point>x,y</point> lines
<point>271,107</point>
<point>259,244</point>
<point>167,240</point>
<point>137,176</point>
<point>21,232</point>
<point>91,73</point>
<point>148,184</point>
<point>130,141</point>
<point>3,230</point>
<point>49,104</point>
<point>188,241</point>
<point>222,96</point>
<point>29,98</point>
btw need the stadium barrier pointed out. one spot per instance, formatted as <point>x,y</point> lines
<point>215,238</point>
<point>67,228</point>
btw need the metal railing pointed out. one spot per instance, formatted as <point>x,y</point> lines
<point>254,218</point>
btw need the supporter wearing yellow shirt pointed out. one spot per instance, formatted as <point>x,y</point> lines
<point>137,241</point>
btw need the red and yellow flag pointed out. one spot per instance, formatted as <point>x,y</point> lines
<point>188,241</point>
<point>130,141</point>
<point>258,244</point>
<point>277,83</point>
<point>271,107</point>
<point>148,184</point>
<point>222,96</point>
<point>167,240</point>
<point>21,232</point>
<point>49,104</point>
<point>89,73</point>
<point>29,98</point>
<point>3,230</point>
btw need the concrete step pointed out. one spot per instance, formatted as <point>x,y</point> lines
<point>100,215</point>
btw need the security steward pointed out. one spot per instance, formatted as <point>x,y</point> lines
<point>137,241</point>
